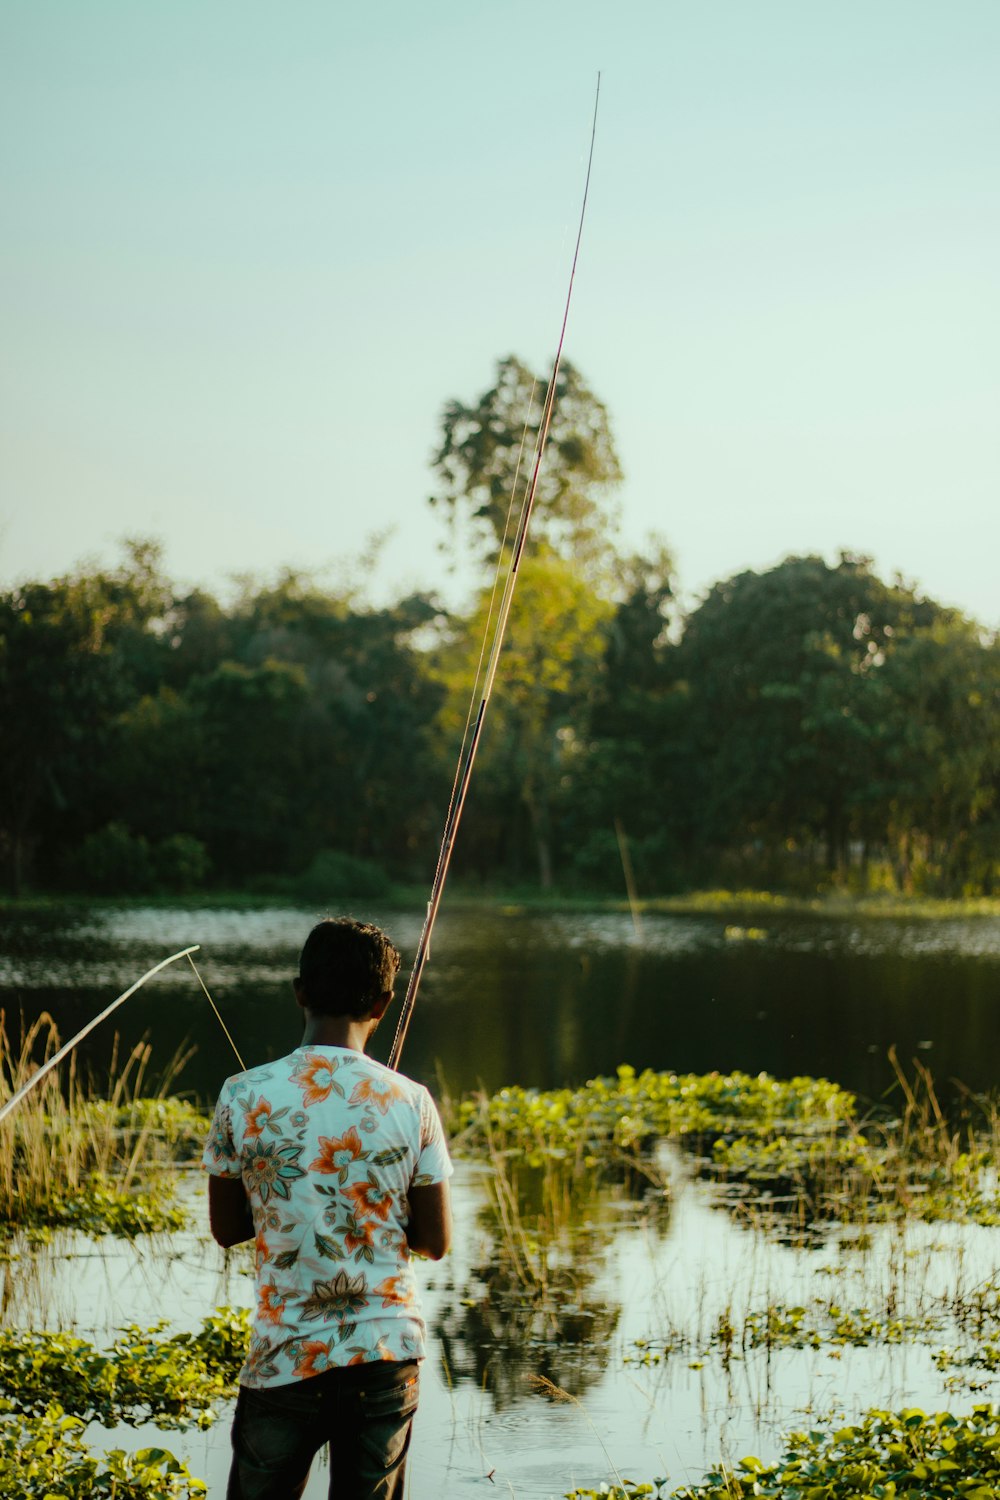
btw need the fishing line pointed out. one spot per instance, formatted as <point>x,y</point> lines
<point>68,1047</point>
<point>212,1003</point>
<point>469,753</point>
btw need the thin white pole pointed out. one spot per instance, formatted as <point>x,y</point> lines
<point>63,1051</point>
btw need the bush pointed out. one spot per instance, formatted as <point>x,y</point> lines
<point>334,874</point>
<point>181,863</point>
<point>117,862</point>
<point>597,864</point>
<point>111,862</point>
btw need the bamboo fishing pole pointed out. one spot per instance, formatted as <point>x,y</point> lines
<point>67,1048</point>
<point>467,754</point>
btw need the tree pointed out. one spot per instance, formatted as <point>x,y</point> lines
<point>637,763</point>
<point>549,672</point>
<point>130,606</point>
<point>308,733</point>
<point>71,653</point>
<point>791,710</point>
<point>552,661</point>
<point>945,753</point>
<point>379,789</point>
<point>484,463</point>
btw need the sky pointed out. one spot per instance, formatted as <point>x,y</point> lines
<point>250,250</point>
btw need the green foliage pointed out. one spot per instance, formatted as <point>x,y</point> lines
<point>112,860</point>
<point>822,1324</point>
<point>95,1209</point>
<point>180,863</point>
<point>333,874</point>
<point>625,1491</point>
<point>945,819</point>
<point>798,1138</point>
<point>621,1114</point>
<point>551,664</point>
<point>809,727</point>
<point>73,653</point>
<point>146,1376</point>
<point>45,1458</point>
<point>115,861</point>
<point>905,1455</point>
<point>484,463</point>
<point>886,1456</point>
<point>841,695</point>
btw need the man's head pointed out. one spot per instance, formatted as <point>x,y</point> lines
<point>346,968</point>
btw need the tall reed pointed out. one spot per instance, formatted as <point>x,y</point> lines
<point>62,1139</point>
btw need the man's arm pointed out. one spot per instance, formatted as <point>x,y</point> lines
<point>429,1229</point>
<point>229,1216</point>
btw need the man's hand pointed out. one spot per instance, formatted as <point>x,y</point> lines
<point>229,1216</point>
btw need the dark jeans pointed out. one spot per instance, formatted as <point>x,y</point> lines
<point>363,1411</point>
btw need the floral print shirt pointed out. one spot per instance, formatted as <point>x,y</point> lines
<point>328,1143</point>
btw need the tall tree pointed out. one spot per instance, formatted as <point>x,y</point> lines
<point>637,764</point>
<point>945,756</point>
<point>56,694</point>
<point>791,709</point>
<point>71,654</point>
<point>552,661</point>
<point>551,666</point>
<point>484,463</point>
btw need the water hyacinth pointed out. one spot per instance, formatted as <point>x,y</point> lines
<point>621,1114</point>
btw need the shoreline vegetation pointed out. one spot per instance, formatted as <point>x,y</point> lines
<point>793,1158</point>
<point>812,726</point>
<point>515,900</point>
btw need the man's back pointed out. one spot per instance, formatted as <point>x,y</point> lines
<point>329,1145</point>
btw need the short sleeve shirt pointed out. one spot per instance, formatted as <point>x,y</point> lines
<point>328,1144</point>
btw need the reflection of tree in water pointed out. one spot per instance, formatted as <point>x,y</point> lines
<point>531,1306</point>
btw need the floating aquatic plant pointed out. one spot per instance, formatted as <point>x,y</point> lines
<point>621,1115</point>
<point>906,1455</point>
<point>174,1380</point>
<point>46,1458</point>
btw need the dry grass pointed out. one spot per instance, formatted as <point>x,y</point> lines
<point>62,1137</point>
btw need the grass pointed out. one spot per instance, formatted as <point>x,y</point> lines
<point>69,1158</point>
<point>832,903</point>
<point>512,899</point>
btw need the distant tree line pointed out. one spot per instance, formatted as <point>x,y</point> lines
<point>805,724</point>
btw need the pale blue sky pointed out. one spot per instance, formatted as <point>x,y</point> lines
<point>249,250</point>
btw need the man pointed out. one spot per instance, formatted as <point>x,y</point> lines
<point>339,1169</point>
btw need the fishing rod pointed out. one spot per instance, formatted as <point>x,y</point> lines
<point>470,745</point>
<point>64,1051</point>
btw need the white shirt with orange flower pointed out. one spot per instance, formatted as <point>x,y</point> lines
<point>328,1144</point>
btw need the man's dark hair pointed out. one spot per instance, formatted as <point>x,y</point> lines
<point>346,966</point>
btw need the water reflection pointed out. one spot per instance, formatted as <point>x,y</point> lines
<point>537,1304</point>
<point>503,1340</point>
<point>501,1332</point>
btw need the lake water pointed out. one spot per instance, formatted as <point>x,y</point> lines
<point>546,1000</point>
